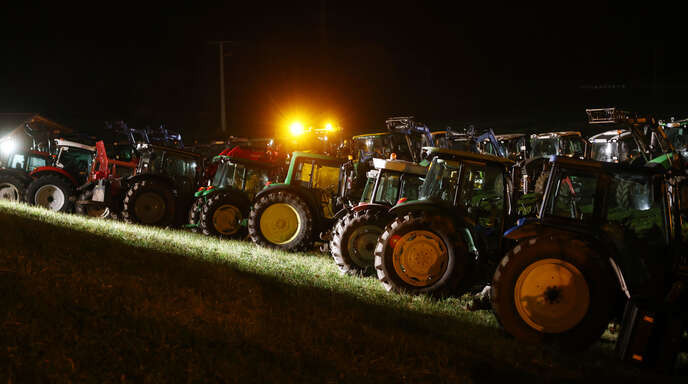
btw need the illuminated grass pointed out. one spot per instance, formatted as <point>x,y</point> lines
<point>106,301</point>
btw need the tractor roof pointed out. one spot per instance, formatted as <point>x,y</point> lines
<point>243,155</point>
<point>400,166</point>
<point>608,167</point>
<point>312,155</point>
<point>369,135</point>
<point>162,148</point>
<point>548,135</point>
<point>609,136</point>
<point>510,136</point>
<point>74,144</point>
<point>443,152</point>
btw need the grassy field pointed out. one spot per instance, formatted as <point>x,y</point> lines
<point>87,300</point>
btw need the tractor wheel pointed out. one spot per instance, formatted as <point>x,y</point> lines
<point>281,220</point>
<point>52,192</point>
<point>421,254</point>
<point>195,214</point>
<point>11,188</point>
<point>553,291</point>
<point>624,194</point>
<point>541,183</point>
<point>221,215</point>
<point>354,238</point>
<point>149,202</point>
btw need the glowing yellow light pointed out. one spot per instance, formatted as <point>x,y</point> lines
<point>296,128</point>
<point>329,127</point>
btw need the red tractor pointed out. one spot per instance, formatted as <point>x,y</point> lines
<point>54,185</point>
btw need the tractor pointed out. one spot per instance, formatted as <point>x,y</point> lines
<point>355,234</point>
<point>290,215</point>
<point>16,170</point>
<point>163,187</point>
<point>590,257</point>
<point>448,237</point>
<point>54,184</point>
<point>221,209</point>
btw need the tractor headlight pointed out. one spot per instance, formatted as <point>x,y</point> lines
<point>296,128</point>
<point>8,146</point>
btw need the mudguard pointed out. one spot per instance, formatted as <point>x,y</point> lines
<point>40,171</point>
<point>304,193</point>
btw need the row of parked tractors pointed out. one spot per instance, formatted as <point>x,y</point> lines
<point>559,234</point>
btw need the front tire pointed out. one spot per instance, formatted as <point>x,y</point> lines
<point>354,239</point>
<point>11,188</point>
<point>421,255</point>
<point>149,202</point>
<point>281,220</point>
<point>52,192</point>
<point>195,214</point>
<point>553,291</point>
<point>222,215</point>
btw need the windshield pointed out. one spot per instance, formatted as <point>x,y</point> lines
<point>369,186</point>
<point>679,139</point>
<point>224,176</point>
<point>605,151</point>
<point>543,147</point>
<point>440,182</point>
<point>381,146</point>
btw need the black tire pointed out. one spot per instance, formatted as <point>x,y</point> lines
<point>624,194</point>
<point>587,323</point>
<point>195,214</point>
<point>44,190</point>
<point>91,211</point>
<point>149,202</point>
<point>347,232</point>
<point>12,188</point>
<point>302,238</point>
<point>541,183</point>
<point>211,222</point>
<point>452,268</point>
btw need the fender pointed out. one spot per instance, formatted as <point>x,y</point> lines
<point>238,194</point>
<point>370,206</point>
<point>419,205</point>
<point>135,179</point>
<point>40,171</point>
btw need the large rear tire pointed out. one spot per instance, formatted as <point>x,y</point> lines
<point>221,215</point>
<point>53,192</point>
<point>11,188</point>
<point>281,220</point>
<point>149,202</point>
<point>421,255</point>
<point>354,239</point>
<point>554,291</point>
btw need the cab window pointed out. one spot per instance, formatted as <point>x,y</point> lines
<point>572,195</point>
<point>482,193</point>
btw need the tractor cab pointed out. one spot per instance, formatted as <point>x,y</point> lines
<point>570,143</point>
<point>462,208</point>
<point>391,180</point>
<point>74,158</point>
<point>514,145</point>
<point>677,134</point>
<point>616,146</point>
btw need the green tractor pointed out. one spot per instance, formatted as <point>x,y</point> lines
<point>221,209</point>
<point>355,235</point>
<point>589,254</point>
<point>291,214</point>
<point>163,187</point>
<point>452,231</point>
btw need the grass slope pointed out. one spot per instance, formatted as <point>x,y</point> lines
<point>89,300</point>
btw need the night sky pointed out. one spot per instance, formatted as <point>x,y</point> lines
<point>354,62</point>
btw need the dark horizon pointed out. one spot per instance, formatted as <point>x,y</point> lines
<point>492,66</point>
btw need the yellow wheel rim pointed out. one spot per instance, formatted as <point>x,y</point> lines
<point>552,296</point>
<point>280,223</point>
<point>226,219</point>
<point>420,258</point>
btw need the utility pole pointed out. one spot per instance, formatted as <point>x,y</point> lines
<point>223,105</point>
